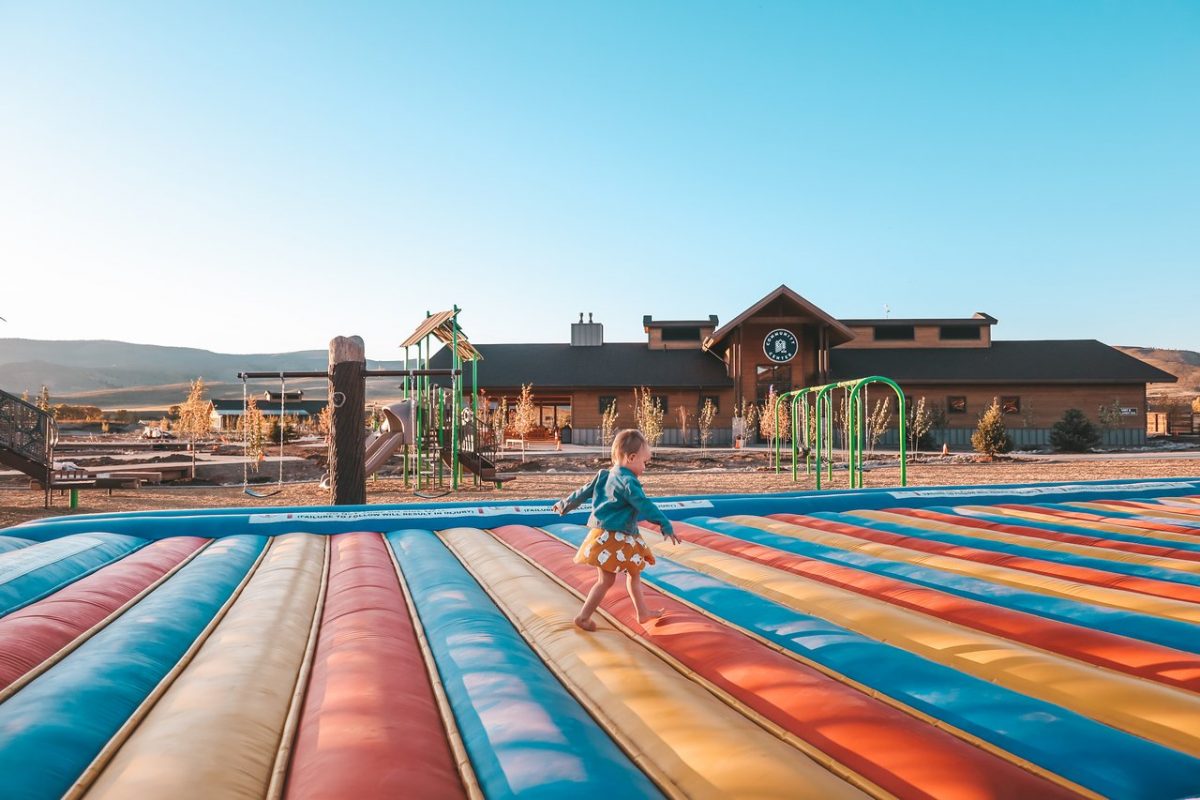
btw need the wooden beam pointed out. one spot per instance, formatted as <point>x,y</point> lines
<point>347,438</point>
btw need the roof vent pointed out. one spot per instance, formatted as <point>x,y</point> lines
<point>586,334</point>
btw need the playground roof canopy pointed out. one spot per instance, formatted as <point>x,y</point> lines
<point>1044,361</point>
<point>441,325</point>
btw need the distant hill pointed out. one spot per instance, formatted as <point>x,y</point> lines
<point>1183,364</point>
<point>121,375</point>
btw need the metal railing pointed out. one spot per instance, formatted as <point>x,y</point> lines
<point>27,430</point>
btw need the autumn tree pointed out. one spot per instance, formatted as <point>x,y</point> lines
<point>250,426</point>
<point>525,412</point>
<point>991,437</point>
<point>775,419</point>
<point>704,421</point>
<point>193,421</point>
<point>608,423</point>
<point>648,414</point>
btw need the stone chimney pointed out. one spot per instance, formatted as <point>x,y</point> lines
<point>586,334</point>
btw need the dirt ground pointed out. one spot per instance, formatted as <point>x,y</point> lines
<point>724,472</point>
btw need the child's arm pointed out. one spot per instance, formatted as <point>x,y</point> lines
<point>578,496</point>
<point>636,497</point>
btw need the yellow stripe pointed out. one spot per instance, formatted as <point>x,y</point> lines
<point>682,733</point>
<point>284,753</point>
<point>1088,551</point>
<point>836,767</point>
<point>216,731</point>
<point>1099,595</point>
<point>1152,711</point>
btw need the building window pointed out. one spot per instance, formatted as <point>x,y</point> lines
<point>895,333</point>
<point>778,376</point>
<point>715,399</point>
<point>606,400</point>
<point>681,334</point>
<point>1010,404</point>
<point>959,332</point>
<point>661,399</point>
<point>956,404</point>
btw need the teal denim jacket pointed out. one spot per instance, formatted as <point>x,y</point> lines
<point>617,502</point>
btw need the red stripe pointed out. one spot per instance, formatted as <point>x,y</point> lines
<point>1070,572</point>
<point>1151,508</point>
<point>1143,659</point>
<point>901,754</point>
<point>31,635</point>
<point>1053,536</point>
<point>370,725</point>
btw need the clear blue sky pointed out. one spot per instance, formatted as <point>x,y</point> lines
<point>261,177</point>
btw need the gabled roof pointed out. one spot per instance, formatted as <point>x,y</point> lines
<point>1046,361</point>
<point>614,364</point>
<point>838,333</point>
<point>301,408</point>
<point>441,327</point>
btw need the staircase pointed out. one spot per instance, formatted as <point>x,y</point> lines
<point>27,438</point>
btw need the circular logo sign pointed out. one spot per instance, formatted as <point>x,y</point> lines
<point>781,346</point>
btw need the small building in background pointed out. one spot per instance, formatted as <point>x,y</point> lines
<point>226,413</point>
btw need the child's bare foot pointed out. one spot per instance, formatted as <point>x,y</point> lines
<point>585,624</point>
<point>652,613</point>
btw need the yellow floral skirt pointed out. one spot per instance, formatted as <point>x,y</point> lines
<point>612,551</point>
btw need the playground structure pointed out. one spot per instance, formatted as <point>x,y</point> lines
<point>817,645</point>
<point>440,436</point>
<point>812,426</point>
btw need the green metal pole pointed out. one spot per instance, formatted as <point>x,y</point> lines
<point>455,401</point>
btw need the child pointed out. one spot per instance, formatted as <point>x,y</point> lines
<point>614,543</point>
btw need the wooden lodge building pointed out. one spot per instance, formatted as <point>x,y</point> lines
<point>226,413</point>
<point>785,342</point>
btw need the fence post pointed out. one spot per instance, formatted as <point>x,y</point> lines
<point>347,437</point>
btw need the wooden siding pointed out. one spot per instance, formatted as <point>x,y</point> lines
<point>924,336</point>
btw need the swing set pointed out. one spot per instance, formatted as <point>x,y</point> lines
<point>813,428</point>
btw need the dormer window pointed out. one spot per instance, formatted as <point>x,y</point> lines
<point>895,333</point>
<point>959,333</point>
<point>681,334</point>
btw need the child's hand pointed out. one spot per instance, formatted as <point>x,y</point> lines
<point>560,508</point>
<point>674,537</point>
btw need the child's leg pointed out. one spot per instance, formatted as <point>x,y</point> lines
<point>634,586</point>
<point>604,582</point>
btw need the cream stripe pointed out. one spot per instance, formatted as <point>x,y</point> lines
<point>125,731</point>
<point>215,733</point>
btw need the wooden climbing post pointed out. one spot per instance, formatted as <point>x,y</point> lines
<point>347,437</point>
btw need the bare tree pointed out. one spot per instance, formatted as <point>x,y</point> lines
<point>194,420</point>
<point>608,423</point>
<point>705,421</point>
<point>878,420</point>
<point>648,415</point>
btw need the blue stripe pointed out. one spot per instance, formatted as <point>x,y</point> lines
<point>1119,514</point>
<point>1103,759</point>
<point>10,543</point>
<point>215,523</point>
<point>1167,632</point>
<point>1038,554</point>
<point>31,573</point>
<point>52,729</point>
<point>492,678</point>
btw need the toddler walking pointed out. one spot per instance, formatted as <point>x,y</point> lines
<point>614,543</point>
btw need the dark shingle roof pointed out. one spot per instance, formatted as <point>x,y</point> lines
<point>613,364</point>
<point>1050,361</point>
<point>309,407</point>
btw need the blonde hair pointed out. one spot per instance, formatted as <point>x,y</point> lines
<point>628,442</point>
